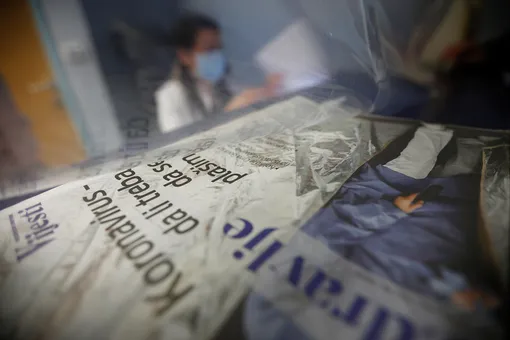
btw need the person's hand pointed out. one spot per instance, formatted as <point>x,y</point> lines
<point>251,96</point>
<point>273,84</point>
<point>247,98</point>
<point>405,203</point>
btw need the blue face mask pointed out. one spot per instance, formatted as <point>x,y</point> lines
<point>211,66</point>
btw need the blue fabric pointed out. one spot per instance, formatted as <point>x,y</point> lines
<point>427,251</point>
<point>262,321</point>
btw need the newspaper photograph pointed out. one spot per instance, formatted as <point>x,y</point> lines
<point>299,224</point>
<point>399,252</point>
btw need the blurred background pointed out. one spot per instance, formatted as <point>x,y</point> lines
<point>79,78</point>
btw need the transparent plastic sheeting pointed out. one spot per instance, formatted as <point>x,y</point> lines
<point>495,190</point>
<point>139,143</point>
<point>357,45</point>
<point>224,235</point>
<point>374,38</point>
<point>390,45</point>
<point>383,38</point>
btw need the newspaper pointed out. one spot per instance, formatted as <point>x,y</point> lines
<point>303,222</point>
<point>139,141</point>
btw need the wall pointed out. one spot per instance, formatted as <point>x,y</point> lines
<point>148,15</point>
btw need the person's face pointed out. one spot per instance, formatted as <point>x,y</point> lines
<point>207,40</point>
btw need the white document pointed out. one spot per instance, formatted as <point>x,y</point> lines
<point>296,55</point>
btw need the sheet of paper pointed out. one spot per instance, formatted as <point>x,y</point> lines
<point>296,55</point>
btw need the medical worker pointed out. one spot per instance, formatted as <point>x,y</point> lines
<point>198,88</point>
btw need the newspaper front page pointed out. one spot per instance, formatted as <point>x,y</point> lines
<point>302,221</point>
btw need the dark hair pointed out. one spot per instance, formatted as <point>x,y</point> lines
<point>187,28</point>
<point>184,36</point>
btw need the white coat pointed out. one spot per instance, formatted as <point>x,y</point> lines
<point>173,107</point>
